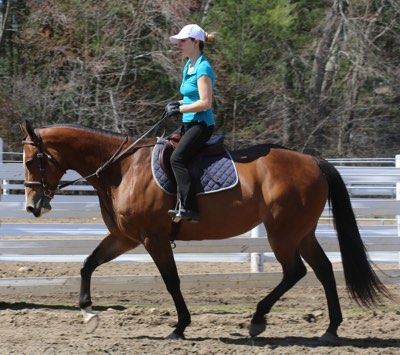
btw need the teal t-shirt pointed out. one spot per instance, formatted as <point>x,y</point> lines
<point>190,90</point>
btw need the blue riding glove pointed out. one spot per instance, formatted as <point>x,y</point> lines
<point>172,108</point>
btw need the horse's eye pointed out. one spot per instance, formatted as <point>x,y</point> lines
<point>29,163</point>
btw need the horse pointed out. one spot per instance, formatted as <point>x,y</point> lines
<point>281,188</point>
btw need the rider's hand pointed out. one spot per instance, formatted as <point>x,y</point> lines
<point>172,108</point>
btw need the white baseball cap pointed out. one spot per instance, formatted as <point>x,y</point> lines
<point>189,31</point>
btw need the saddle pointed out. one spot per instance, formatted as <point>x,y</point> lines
<point>214,146</point>
<point>212,170</point>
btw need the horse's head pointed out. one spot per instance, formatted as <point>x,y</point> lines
<point>42,172</point>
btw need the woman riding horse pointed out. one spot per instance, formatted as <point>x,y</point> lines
<point>283,189</point>
<point>197,116</point>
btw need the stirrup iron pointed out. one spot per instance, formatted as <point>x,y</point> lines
<point>178,217</point>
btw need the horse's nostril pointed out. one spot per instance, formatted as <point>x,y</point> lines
<point>30,209</point>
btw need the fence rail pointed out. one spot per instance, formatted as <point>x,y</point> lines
<point>232,245</point>
<point>41,285</point>
<point>373,192</point>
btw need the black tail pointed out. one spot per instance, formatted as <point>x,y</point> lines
<point>362,282</point>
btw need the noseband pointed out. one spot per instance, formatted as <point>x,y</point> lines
<point>42,155</point>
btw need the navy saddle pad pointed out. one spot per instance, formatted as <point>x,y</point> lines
<point>218,172</point>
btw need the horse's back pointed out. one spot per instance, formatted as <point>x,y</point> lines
<point>276,161</point>
<point>252,153</point>
<point>289,181</point>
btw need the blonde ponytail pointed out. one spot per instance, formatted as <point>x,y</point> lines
<point>210,37</point>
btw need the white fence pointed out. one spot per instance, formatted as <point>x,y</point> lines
<point>375,192</point>
<point>47,286</point>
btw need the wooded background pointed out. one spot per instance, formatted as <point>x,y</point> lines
<point>321,77</point>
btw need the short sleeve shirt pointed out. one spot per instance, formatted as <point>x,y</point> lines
<point>190,90</point>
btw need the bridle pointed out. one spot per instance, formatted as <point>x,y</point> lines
<point>43,154</point>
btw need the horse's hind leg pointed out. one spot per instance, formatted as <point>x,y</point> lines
<point>161,252</point>
<point>314,255</point>
<point>293,270</point>
<point>109,248</point>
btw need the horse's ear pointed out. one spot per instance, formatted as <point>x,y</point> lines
<point>22,126</point>
<point>28,129</point>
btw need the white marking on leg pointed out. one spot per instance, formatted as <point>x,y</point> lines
<point>90,319</point>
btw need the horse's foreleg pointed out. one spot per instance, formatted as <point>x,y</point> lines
<point>293,271</point>
<point>163,257</point>
<point>109,248</point>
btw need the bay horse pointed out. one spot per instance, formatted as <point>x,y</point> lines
<point>283,189</point>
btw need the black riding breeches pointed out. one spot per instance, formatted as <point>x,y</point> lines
<point>195,135</point>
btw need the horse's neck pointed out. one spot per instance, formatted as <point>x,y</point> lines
<point>86,151</point>
<point>81,150</point>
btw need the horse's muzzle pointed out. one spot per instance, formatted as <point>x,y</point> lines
<point>38,207</point>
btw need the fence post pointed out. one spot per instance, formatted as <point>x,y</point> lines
<point>4,192</point>
<point>398,198</point>
<point>257,259</point>
<point>398,195</point>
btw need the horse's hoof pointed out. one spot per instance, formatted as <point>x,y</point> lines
<point>174,336</point>
<point>256,329</point>
<point>329,338</point>
<point>92,323</point>
<point>90,319</point>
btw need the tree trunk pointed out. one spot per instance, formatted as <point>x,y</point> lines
<point>323,71</point>
<point>4,13</point>
<point>360,41</point>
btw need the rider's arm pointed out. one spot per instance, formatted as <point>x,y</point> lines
<point>205,93</point>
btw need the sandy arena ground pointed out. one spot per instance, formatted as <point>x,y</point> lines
<point>136,323</point>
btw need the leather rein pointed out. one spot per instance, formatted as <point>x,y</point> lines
<point>43,154</point>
